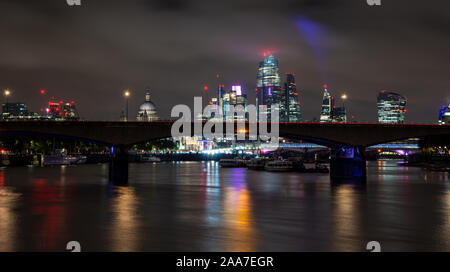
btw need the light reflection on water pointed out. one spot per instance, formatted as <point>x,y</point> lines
<point>202,207</point>
<point>8,200</point>
<point>125,219</point>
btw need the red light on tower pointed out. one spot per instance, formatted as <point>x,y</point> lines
<point>42,91</point>
<point>205,88</point>
<point>325,86</point>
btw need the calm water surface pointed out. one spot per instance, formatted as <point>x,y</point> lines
<point>195,206</point>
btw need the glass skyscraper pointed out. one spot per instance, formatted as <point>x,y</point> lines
<point>227,98</point>
<point>391,108</point>
<point>326,114</point>
<point>444,115</point>
<point>340,115</point>
<point>269,92</point>
<point>290,104</point>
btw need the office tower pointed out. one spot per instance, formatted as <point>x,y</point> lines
<point>340,115</point>
<point>233,97</point>
<point>14,110</point>
<point>60,111</point>
<point>326,114</point>
<point>69,111</point>
<point>391,108</point>
<point>269,92</point>
<point>290,104</point>
<point>444,115</point>
<point>219,99</point>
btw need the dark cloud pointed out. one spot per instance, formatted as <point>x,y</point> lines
<point>91,53</point>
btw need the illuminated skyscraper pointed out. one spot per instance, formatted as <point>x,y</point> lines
<point>391,108</point>
<point>69,111</point>
<point>14,110</point>
<point>326,114</point>
<point>269,92</point>
<point>290,104</point>
<point>234,97</point>
<point>340,115</point>
<point>444,115</point>
<point>60,111</point>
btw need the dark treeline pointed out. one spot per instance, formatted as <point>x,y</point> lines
<point>24,144</point>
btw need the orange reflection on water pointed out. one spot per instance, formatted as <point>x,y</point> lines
<point>125,222</point>
<point>346,222</point>
<point>238,221</point>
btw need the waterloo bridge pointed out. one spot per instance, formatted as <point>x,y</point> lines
<point>347,141</point>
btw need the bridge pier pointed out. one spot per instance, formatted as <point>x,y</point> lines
<point>118,164</point>
<point>348,164</point>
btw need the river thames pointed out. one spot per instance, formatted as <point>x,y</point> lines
<point>198,206</point>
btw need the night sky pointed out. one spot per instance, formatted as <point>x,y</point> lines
<point>90,54</point>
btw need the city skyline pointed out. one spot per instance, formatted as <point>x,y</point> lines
<point>233,130</point>
<point>365,52</point>
<point>266,89</point>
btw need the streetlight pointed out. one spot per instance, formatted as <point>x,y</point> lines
<point>127,95</point>
<point>343,97</point>
<point>7,93</point>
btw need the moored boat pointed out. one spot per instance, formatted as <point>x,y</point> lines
<point>236,163</point>
<point>279,166</point>
<point>150,159</point>
<point>257,164</point>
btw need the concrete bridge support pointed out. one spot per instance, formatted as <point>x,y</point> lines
<point>348,164</point>
<point>118,164</point>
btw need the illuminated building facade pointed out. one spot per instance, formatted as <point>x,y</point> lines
<point>391,108</point>
<point>340,115</point>
<point>268,88</point>
<point>228,98</point>
<point>444,115</point>
<point>69,111</point>
<point>61,111</point>
<point>14,110</point>
<point>147,110</point>
<point>18,111</point>
<point>290,104</point>
<point>326,114</point>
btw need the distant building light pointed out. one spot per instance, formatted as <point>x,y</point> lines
<point>237,89</point>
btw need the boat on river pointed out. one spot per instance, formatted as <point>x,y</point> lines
<point>232,163</point>
<point>279,166</point>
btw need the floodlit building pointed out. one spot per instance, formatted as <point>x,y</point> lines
<point>290,104</point>
<point>391,108</point>
<point>340,115</point>
<point>147,110</point>
<point>60,111</point>
<point>444,115</point>
<point>69,111</point>
<point>18,111</point>
<point>326,114</point>
<point>268,84</point>
<point>228,98</point>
